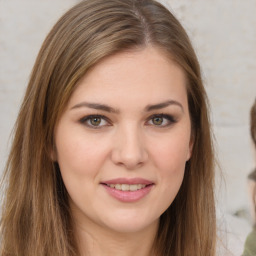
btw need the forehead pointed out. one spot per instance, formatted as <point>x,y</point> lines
<point>140,75</point>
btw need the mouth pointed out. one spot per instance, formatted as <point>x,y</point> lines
<point>128,190</point>
<point>127,187</point>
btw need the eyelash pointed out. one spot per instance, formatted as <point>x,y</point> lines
<point>170,119</point>
<point>85,120</point>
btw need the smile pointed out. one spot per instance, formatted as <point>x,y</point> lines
<point>127,187</point>
<point>128,190</point>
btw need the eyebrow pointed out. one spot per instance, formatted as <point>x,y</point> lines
<point>164,105</point>
<point>109,109</point>
<point>97,106</point>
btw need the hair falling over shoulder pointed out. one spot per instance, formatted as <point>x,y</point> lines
<point>36,218</point>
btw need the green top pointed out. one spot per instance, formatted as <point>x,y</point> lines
<point>250,244</point>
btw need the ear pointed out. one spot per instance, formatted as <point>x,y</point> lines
<point>190,147</point>
<point>53,153</point>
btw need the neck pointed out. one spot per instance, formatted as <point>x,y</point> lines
<point>95,240</point>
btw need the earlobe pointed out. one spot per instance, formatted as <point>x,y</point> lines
<point>53,156</point>
<point>53,153</point>
<point>190,149</point>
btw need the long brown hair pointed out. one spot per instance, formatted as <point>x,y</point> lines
<point>36,217</point>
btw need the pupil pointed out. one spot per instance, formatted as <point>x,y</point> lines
<point>95,121</point>
<point>158,120</point>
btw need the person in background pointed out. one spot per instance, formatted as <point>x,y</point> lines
<point>250,243</point>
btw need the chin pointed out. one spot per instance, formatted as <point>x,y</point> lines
<point>131,224</point>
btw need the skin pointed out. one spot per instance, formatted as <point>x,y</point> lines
<point>131,141</point>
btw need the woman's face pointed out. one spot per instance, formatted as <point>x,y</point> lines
<point>124,139</point>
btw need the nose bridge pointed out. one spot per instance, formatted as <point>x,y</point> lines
<point>129,149</point>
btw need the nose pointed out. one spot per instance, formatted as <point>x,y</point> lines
<point>129,148</point>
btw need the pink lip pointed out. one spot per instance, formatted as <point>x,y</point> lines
<point>128,181</point>
<point>128,196</point>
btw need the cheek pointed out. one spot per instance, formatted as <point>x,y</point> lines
<point>171,154</point>
<point>171,171</point>
<point>170,159</point>
<point>80,161</point>
<point>79,155</point>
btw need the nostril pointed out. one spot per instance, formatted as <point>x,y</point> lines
<point>128,150</point>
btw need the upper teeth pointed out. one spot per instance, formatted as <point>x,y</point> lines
<point>127,187</point>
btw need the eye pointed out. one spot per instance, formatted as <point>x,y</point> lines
<point>158,120</point>
<point>95,121</point>
<point>161,120</point>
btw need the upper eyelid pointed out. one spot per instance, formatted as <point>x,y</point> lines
<point>163,115</point>
<point>170,119</point>
<point>84,121</point>
<point>87,117</point>
<point>94,115</point>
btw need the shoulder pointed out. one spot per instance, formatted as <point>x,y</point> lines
<point>250,244</point>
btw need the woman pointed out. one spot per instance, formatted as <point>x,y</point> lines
<point>112,153</point>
